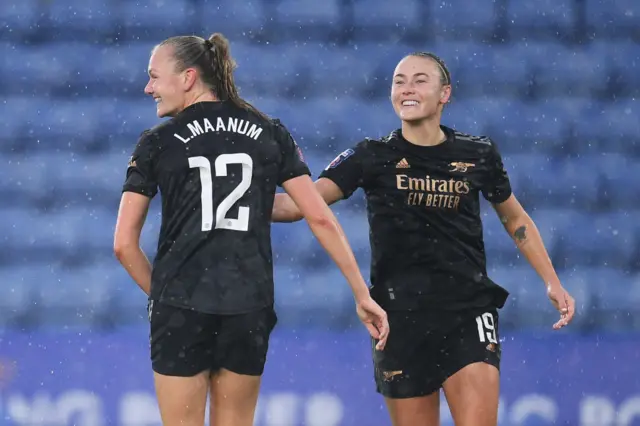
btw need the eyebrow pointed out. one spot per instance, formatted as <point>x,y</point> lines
<point>415,75</point>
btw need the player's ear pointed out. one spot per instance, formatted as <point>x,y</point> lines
<point>189,78</point>
<point>445,94</point>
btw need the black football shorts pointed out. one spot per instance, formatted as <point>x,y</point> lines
<point>185,342</point>
<point>424,350</point>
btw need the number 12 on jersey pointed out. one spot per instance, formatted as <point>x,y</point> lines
<point>206,196</point>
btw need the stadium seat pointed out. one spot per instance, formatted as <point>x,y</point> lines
<point>611,306</point>
<point>16,292</point>
<point>73,296</point>
<point>552,19</point>
<point>458,19</point>
<point>381,15</point>
<point>236,20</point>
<point>85,19</point>
<point>19,19</point>
<point>612,17</point>
<point>158,18</point>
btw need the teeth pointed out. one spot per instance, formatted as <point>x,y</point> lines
<point>409,103</point>
<point>157,100</point>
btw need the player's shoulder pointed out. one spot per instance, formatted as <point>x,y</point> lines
<point>480,143</point>
<point>375,144</point>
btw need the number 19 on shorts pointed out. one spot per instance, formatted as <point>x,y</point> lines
<point>486,328</point>
<point>206,196</point>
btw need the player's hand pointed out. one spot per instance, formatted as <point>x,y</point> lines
<point>375,319</point>
<point>564,303</point>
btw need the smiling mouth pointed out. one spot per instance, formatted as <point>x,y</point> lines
<point>410,103</point>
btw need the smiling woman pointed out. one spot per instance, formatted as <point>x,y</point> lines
<point>216,163</point>
<point>428,268</point>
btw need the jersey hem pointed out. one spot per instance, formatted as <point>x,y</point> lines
<point>211,311</point>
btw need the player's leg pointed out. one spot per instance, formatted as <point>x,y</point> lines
<point>472,361</point>
<point>182,400</point>
<point>233,398</point>
<point>405,372</point>
<point>243,342</point>
<point>420,411</point>
<point>181,354</point>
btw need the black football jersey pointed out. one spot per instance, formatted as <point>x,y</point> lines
<point>217,167</point>
<point>424,215</point>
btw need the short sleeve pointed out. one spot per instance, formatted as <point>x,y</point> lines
<point>346,170</point>
<point>292,164</point>
<point>496,188</point>
<point>140,177</point>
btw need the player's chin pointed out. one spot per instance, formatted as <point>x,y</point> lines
<point>162,111</point>
<point>412,117</point>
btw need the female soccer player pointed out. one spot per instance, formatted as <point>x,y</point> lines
<point>422,184</point>
<point>217,163</point>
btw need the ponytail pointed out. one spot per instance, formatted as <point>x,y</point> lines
<point>223,66</point>
<point>212,57</point>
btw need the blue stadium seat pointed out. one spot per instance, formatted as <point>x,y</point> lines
<point>610,305</point>
<point>158,18</point>
<point>118,70</point>
<point>552,223</point>
<point>73,296</point>
<point>341,72</point>
<point>23,179</point>
<point>471,66</point>
<point>89,176</point>
<point>633,300</point>
<point>625,59</point>
<point>379,13</point>
<point>595,241</point>
<point>618,173</point>
<point>460,19</point>
<point>531,307</point>
<point>36,69</point>
<point>126,301</point>
<point>87,17</point>
<point>545,181</point>
<point>574,72</point>
<point>321,298</point>
<point>612,16</point>
<point>236,20</point>
<point>554,18</point>
<point>19,18</point>
<point>278,65</point>
<point>308,13</point>
<point>16,292</point>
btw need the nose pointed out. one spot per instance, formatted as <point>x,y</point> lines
<point>148,89</point>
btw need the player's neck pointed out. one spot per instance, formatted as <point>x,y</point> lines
<point>424,133</point>
<point>204,96</point>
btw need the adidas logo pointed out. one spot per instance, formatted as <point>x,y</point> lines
<point>403,164</point>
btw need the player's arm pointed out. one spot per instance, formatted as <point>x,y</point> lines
<point>126,246</point>
<point>139,188</point>
<point>286,210</point>
<point>338,181</point>
<point>524,232</point>
<point>329,233</point>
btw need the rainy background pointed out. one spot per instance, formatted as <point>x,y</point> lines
<point>554,82</point>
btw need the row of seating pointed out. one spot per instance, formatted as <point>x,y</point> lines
<point>280,18</point>
<point>81,233</point>
<point>301,69</point>
<point>102,294</point>
<point>559,127</point>
<point>595,182</point>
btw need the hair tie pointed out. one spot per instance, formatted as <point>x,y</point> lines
<point>208,44</point>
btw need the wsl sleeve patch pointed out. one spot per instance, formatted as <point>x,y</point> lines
<point>340,158</point>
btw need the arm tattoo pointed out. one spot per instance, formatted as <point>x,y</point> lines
<point>520,235</point>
